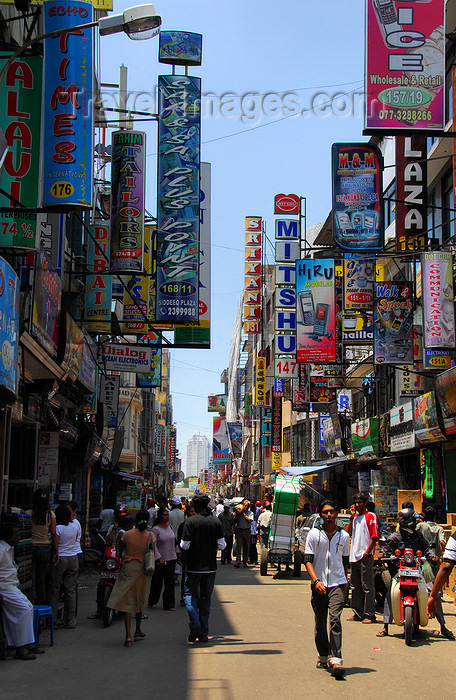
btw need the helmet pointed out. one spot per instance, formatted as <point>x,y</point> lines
<point>121,511</point>
<point>407,520</point>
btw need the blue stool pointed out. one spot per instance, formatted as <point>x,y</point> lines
<point>42,611</point>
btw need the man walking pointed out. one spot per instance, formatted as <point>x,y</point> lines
<point>434,605</point>
<point>227,520</point>
<point>242,524</point>
<point>363,529</point>
<point>326,560</point>
<point>201,537</point>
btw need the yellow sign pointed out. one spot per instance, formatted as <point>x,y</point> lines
<point>276,460</point>
<point>260,391</point>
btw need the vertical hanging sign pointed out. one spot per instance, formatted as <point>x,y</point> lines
<point>438,300</point>
<point>316,310</point>
<point>68,105</point>
<point>97,312</point>
<point>128,161</point>
<point>276,424</point>
<point>252,271</point>
<point>411,190</point>
<point>178,198</point>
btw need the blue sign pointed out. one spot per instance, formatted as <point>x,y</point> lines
<point>9,313</point>
<point>178,198</point>
<point>180,48</point>
<point>68,105</point>
<point>321,418</point>
<point>279,387</point>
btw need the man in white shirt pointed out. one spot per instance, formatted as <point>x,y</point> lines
<point>446,567</point>
<point>219,508</point>
<point>326,560</point>
<point>17,609</point>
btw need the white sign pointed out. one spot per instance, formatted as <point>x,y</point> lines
<point>127,358</point>
<point>286,368</point>
<point>401,428</point>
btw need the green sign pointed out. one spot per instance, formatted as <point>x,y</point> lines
<point>364,437</point>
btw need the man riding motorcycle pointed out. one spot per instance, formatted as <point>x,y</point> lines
<point>406,537</point>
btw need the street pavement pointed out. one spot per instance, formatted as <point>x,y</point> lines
<point>261,646</point>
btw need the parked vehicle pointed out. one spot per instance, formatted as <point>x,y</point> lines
<point>109,571</point>
<point>281,545</point>
<point>408,593</point>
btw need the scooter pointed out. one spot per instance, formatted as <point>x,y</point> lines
<point>109,571</point>
<point>408,593</point>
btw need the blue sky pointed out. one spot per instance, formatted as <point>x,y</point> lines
<point>290,56</point>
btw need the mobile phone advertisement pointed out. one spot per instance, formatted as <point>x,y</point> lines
<point>393,323</point>
<point>405,65</point>
<point>438,300</point>
<point>315,319</point>
<point>357,196</point>
<point>359,273</point>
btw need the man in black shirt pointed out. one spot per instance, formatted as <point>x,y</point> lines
<point>202,536</point>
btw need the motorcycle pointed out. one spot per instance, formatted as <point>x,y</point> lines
<point>109,571</point>
<point>408,593</point>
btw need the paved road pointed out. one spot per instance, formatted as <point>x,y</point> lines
<point>261,646</point>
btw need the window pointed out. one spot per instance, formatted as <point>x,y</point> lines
<point>448,228</point>
<point>389,207</point>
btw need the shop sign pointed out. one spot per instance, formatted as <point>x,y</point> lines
<point>235,435</point>
<point>128,179</point>
<point>357,192</point>
<point>287,229</point>
<point>51,228</point>
<point>9,326</point>
<point>88,368</point>
<point>402,434</point>
<point>217,403</point>
<point>260,384</point>
<point>410,383</point>
<point>68,105</point>
<point>359,273</point>
<point>20,120</point>
<point>97,311</point>
<point>445,388</point>
<point>47,294</point>
<point>276,460</point>
<point>109,396</point>
<point>437,359</point>
<point>71,362</point>
<point>276,424</point>
<point>393,323</point>
<point>322,417</point>
<point>152,378</point>
<point>425,419</point>
<point>300,390</point>
<point>438,300</point>
<point>411,192</point>
<point>178,198</point>
<point>315,310</point>
<point>279,387</point>
<point>127,358</point>
<point>287,204</point>
<point>364,437</point>
<point>136,293</point>
<point>180,48</point>
<point>220,442</point>
<point>405,66</point>
<point>357,329</point>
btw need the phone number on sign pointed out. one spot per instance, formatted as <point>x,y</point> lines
<point>406,114</point>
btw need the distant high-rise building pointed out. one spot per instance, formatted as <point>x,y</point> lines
<point>198,454</point>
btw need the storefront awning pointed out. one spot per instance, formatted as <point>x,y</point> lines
<point>302,471</point>
<point>126,475</point>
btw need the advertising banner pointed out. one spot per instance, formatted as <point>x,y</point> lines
<point>276,428</point>
<point>47,296</point>
<point>180,48</point>
<point>322,389</point>
<point>364,437</point>
<point>260,383</point>
<point>402,434</point>
<point>411,192</point>
<point>279,387</point>
<point>235,435</point>
<point>199,336</point>
<point>300,390</point>
<point>287,204</point>
<point>357,196</point>
<point>9,314</point>
<point>178,198</point>
<point>217,403</point>
<point>321,419</point>
<point>359,273</point>
<point>72,359</point>
<point>51,231</point>
<point>357,329</point>
<point>127,358</point>
<point>405,65</point>
<point>20,121</point>
<point>252,279</point>
<point>88,368</point>
<point>136,296</point>
<point>128,179</point>
<point>445,388</point>
<point>153,378</point>
<point>315,311</point>
<point>67,149</point>
<point>221,446</point>
<point>393,323</point>
<point>425,419</point>
<point>437,359</point>
<point>409,381</point>
<point>438,300</point>
<point>97,311</point>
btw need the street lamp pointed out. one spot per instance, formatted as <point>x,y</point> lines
<point>138,22</point>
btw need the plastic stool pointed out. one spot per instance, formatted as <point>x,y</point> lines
<point>42,611</point>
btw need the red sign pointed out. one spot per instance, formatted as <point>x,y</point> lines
<point>276,424</point>
<point>287,204</point>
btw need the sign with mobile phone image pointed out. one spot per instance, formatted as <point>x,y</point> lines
<point>315,313</point>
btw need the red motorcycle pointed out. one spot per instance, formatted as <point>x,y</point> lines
<point>409,594</point>
<point>109,571</point>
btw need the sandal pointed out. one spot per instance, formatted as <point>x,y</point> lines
<point>354,618</point>
<point>138,635</point>
<point>322,664</point>
<point>128,643</point>
<point>369,621</point>
<point>24,655</point>
<point>382,633</point>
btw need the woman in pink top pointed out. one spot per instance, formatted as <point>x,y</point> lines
<point>166,552</point>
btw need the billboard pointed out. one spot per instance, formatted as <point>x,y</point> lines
<point>438,300</point>
<point>221,445</point>
<point>357,191</point>
<point>315,316</point>
<point>20,120</point>
<point>359,274</point>
<point>411,192</point>
<point>393,323</point>
<point>425,419</point>
<point>47,296</point>
<point>180,48</point>
<point>402,434</point>
<point>97,310</point>
<point>67,150</point>
<point>128,178</point>
<point>178,198</point>
<point>9,314</point>
<point>235,434</point>
<point>405,65</point>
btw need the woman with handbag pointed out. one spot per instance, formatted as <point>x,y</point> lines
<point>166,553</point>
<point>129,591</point>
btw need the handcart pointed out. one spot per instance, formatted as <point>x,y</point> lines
<point>281,543</point>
